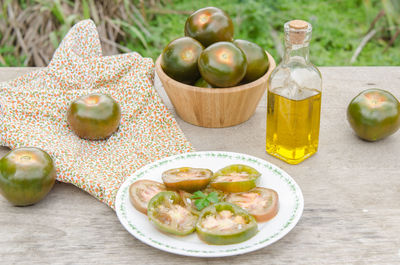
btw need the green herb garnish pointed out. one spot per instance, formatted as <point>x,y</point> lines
<point>203,200</point>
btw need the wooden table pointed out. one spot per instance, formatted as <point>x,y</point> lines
<point>351,190</point>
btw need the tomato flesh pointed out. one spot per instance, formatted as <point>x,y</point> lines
<point>235,178</point>
<point>225,223</point>
<point>374,114</point>
<point>142,191</point>
<point>262,203</point>
<point>187,178</point>
<point>168,213</point>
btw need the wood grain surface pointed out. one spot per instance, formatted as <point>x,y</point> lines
<point>351,190</point>
<point>211,107</point>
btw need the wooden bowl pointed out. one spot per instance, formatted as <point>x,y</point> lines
<point>215,107</point>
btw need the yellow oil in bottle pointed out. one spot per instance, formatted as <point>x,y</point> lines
<point>293,126</point>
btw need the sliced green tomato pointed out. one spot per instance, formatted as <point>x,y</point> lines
<point>141,192</point>
<point>235,178</point>
<point>225,223</point>
<point>189,203</point>
<point>262,203</point>
<point>221,194</point>
<point>169,214</point>
<point>187,178</point>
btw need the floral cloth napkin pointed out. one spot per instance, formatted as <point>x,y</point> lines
<point>33,111</point>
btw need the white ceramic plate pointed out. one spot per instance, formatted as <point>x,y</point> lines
<point>291,204</point>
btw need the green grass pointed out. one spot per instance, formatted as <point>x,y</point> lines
<point>338,28</point>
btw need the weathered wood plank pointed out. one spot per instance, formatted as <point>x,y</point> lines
<point>351,190</point>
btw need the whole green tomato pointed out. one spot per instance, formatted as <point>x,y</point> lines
<point>374,114</point>
<point>209,25</point>
<point>94,117</point>
<point>257,60</point>
<point>222,64</point>
<point>179,59</point>
<point>202,83</point>
<point>27,174</point>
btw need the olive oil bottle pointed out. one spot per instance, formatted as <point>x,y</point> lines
<point>294,99</point>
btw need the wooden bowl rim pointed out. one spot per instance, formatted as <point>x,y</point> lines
<point>164,77</point>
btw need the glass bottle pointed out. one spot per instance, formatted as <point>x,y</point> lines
<point>294,99</point>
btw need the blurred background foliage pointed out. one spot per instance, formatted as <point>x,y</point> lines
<point>345,32</point>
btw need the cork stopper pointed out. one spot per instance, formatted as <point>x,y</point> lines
<point>298,30</point>
<point>298,24</point>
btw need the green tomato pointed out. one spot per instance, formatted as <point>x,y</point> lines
<point>225,223</point>
<point>261,203</point>
<point>168,213</point>
<point>141,192</point>
<point>187,178</point>
<point>189,202</point>
<point>94,117</point>
<point>374,114</point>
<point>209,25</point>
<point>220,193</point>
<point>179,59</point>
<point>235,178</point>
<point>27,174</point>
<point>222,64</point>
<point>257,60</point>
<point>202,83</point>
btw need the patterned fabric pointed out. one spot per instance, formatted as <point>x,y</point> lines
<point>33,113</point>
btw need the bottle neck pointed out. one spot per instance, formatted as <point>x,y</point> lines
<point>297,52</point>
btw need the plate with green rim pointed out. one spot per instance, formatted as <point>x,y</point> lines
<point>291,204</point>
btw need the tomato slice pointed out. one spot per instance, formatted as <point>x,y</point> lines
<point>168,213</point>
<point>225,223</point>
<point>141,192</point>
<point>235,178</point>
<point>221,194</point>
<point>189,203</point>
<point>262,203</point>
<point>187,178</point>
